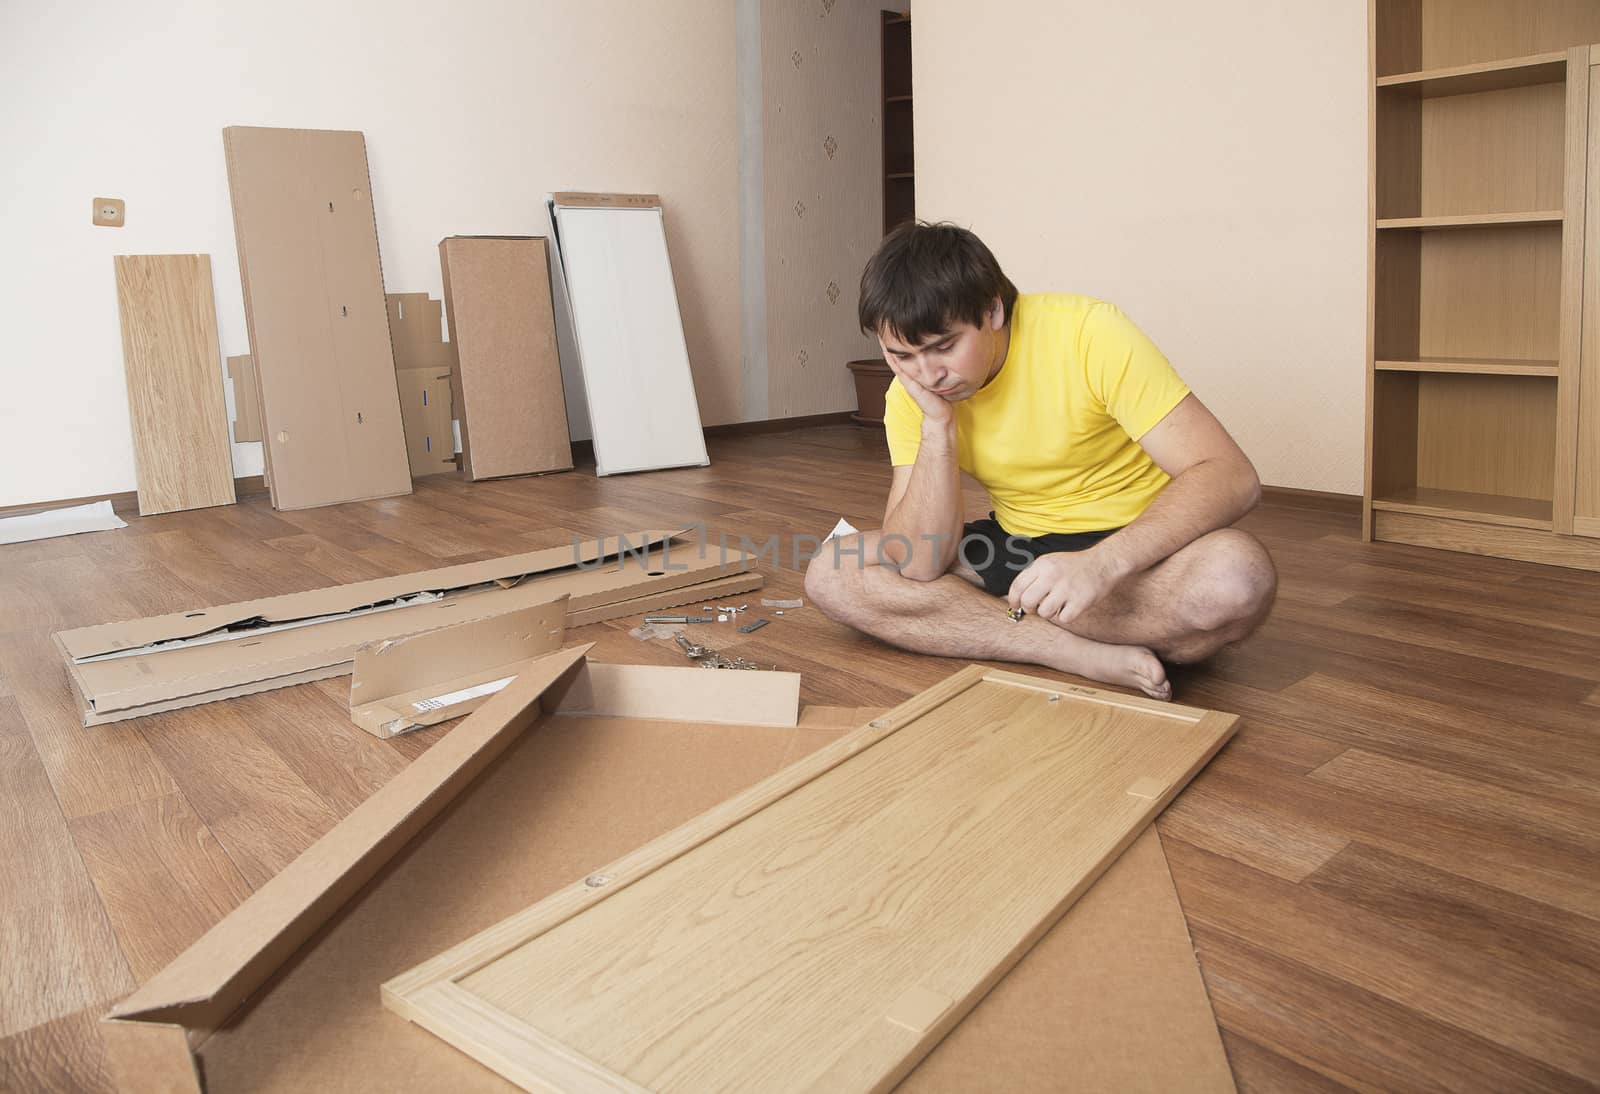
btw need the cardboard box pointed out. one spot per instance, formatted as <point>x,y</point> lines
<point>313,300</point>
<point>144,666</point>
<point>507,383</point>
<point>547,783</point>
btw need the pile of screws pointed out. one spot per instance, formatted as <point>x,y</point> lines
<point>708,658</point>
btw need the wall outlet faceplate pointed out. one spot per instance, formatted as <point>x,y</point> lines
<point>108,212</point>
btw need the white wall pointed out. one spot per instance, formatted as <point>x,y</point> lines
<point>472,111</point>
<point>1202,165</point>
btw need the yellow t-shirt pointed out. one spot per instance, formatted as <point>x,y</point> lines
<point>1053,437</point>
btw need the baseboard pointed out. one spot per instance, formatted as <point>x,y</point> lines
<point>1294,497</point>
<point>128,500</point>
<point>583,451</point>
<point>252,485</point>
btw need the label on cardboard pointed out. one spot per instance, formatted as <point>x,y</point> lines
<point>439,702</point>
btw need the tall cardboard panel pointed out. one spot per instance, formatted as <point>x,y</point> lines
<point>507,382</point>
<point>319,333</point>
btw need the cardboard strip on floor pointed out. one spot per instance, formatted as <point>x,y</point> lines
<point>144,666</point>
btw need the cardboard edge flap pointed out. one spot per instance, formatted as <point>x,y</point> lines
<point>684,693</point>
<point>204,984</point>
<point>338,600</point>
<point>150,1056</point>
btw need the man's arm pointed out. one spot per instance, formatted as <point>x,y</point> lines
<point>925,499</point>
<point>1213,484</point>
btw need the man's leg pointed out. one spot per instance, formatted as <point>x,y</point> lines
<point>1215,591</point>
<point>951,617</point>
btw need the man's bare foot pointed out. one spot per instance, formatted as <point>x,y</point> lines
<point>1129,666</point>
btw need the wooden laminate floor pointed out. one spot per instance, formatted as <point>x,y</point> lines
<point>1391,875</point>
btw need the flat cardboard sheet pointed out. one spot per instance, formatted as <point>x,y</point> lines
<point>824,930</point>
<point>319,332</point>
<point>423,365</point>
<point>143,666</point>
<point>1110,999</point>
<point>175,402</point>
<point>636,376</point>
<point>507,383</point>
<point>246,399</point>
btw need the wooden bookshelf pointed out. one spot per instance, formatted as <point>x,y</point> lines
<point>899,157</point>
<point>1483,147</point>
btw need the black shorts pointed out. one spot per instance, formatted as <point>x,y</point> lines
<point>998,556</point>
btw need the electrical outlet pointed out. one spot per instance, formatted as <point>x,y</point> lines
<point>108,212</point>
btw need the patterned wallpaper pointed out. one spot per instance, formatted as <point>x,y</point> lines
<point>822,192</point>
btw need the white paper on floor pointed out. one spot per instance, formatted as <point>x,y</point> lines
<point>843,528</point>
<point>94,517</point>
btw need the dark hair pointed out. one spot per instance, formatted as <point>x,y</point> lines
<point>925,277</point>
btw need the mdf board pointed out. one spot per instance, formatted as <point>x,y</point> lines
<point>507,380</point>
<point>314,304</point>
<point>642,406</point>
<point>825,929</point>
<point>173,368</point>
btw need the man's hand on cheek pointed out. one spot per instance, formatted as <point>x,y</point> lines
<point>934,409</point>
<point>1060,587</point>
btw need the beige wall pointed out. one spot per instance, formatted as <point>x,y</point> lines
<point>822,196</point>
<point>473,112</point>
<point>1201,165</point>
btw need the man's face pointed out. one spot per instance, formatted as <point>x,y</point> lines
<point>954,363</point>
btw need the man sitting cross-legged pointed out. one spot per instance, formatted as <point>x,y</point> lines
<point>1113,486</point>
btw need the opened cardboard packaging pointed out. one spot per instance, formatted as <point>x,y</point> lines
<point>557,778</point>
<point>144,666</point>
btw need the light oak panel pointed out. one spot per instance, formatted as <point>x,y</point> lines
<point>823,940</point>
<point>181,451</point>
